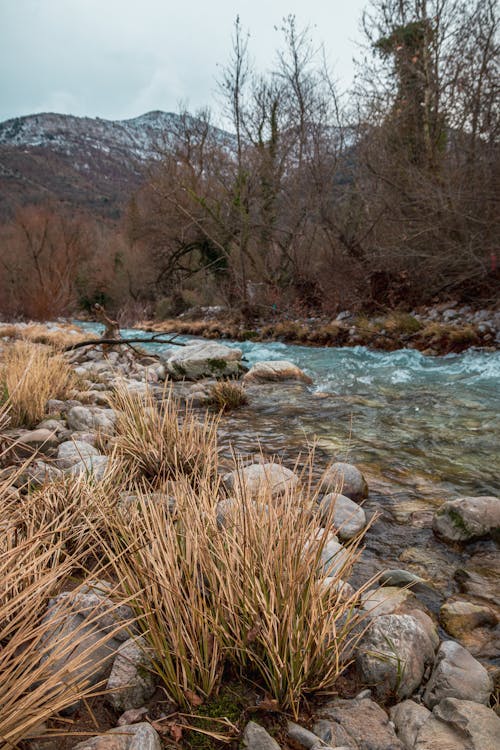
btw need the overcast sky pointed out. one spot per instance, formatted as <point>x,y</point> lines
<point>120,58</point>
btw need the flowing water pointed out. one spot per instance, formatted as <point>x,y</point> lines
<point>422,429</point>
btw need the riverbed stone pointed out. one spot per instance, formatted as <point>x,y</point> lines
<point>348,518</point>
<point>255,737</point>
<point>459,617</point>
<point>275,370</point>
<point>90,466</point>
<point>132,681</point>
<point>393,655</point>
<point>407,718</point>
<point>457,674</point>
<point>385,600</point>
<point>84,418</point>
<point>140,736</point>
<point>207,359</point>
<point>399,577</point>
<point>467,518</point>
<point>461,725</point>
<point>359,724</point>
<point>262,477</point>
<point>72,451</point>
<point>346,479</point>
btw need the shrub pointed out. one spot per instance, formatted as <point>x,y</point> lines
<point>227,395</point>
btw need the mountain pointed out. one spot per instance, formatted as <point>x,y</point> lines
<point>84,162</point>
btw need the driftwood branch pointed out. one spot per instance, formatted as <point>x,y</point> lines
<point>121,342</point>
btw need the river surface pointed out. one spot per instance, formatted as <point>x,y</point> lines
<point>422,429</point>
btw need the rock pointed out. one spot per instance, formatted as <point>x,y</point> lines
<point>275,370</point>
<point>301,735</point>
<point>385,600</point>
<point>459,617</point>
<point>73,451</point>
<point>132,716</point>
<point>408,717</point>
<point>357,724</point>
<point>334,558</point>
<point>54,425</point>
<point>129,737</point>
<point>456,674</point>
<point>346,479</point>
<point>344,589</point>
<point>205,360</point>
<point>467,518</point>
<point>461,725</point>
<point>399,577</point>
<point>255,737</point>
<point>40,440</point>
<point>83,418</point>
<point>348,518</point>
<point>393,655</point>
<point>90,466</point>
<point>131,681</point>
<point>262,477</point>
<point>55,406</point>
<point>38,473</point>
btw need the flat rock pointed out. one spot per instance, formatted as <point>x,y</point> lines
<point>393,655</point>
<point>262,477</point>
<point>461,725</point>
<point>345,479</point>
<point>275,370</point>
<point>140,736</point>
<point>348,518</point>
<point>359,724</point>
<point>467,518</point>
<point>456,674</point>
<point>205,360</point>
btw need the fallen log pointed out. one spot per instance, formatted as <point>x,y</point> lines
<point>121,342</point>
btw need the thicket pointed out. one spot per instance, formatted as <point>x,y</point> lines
<point>308,200</point>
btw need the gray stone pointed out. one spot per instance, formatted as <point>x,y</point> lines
<point>90,466</point>
<point>393,655</point>
<point>132,681</point>
<point>346,479</point>
<point>129,737</point>
<point>275,370</point>
<point>301,735</point>
<point>408,717</point>
<point>459,617</point>
<point>73,451</point>
<point>205,360</point>
<point>385,600</point>
<point>38,473</point>
<point>459,725</point>
<point>467,518</point>
<point>41,440</point>
<point>399,577</point>
<point>255,737</point>
<point>348,518</point>
<point>456,674</point>
<point>357,724</point>
<point>262,477</point>
<point>83,418</point>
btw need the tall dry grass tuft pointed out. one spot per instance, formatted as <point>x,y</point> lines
<point>238,584</point>
<point>227,395</point>
<point>157,441</point>
<point>37,333</point>
<point>31,374</point>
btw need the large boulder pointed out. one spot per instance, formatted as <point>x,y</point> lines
<point>276,370</point>
<point>346,479</point>
<point>358,724</point>
<point>348,518</point>
<point>467,518</point>
<point>394,654</point>
<point>205,360</point>
<point>461,725</point>
<point>456,674</point>
<point>262,477</point>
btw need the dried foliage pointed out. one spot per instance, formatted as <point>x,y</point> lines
<point>227,395</point>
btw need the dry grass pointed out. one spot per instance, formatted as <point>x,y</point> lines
<point>37,333</point>
<point>155,441</point>
<point>248,595</point>
<point>227,395</point>
<point>31,374</point>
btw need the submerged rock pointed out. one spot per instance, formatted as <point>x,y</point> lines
<point>467,518</point>
<point>275,370</point>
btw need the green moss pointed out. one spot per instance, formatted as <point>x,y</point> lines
<point>229,704</point>
<point>457,520</point>
<point>217,364</point>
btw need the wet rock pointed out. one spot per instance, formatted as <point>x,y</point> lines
<point>467,518</point>
<point>357,724</point>
<point>73,451</point>
<point>90,466</point>
<point>267,477</point>
<point>481,576</point>
<point>129,737</point>
<point>83,418</point>
<point>408,717</point>
<point>346,479</point>
<point>399,577</point>
<point>393,655</point>
<point>255,737</point>
<point>456,674</point>
<point>205,360</point>
<point>349,519</point>
<point>461,725</point>
<point>276,370</point>
<point>459,617</point>
<point>132,681</point>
